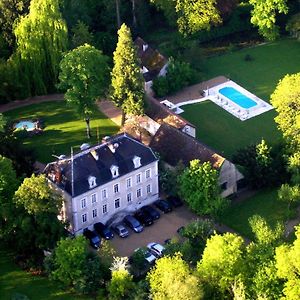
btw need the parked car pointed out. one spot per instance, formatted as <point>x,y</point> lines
<point>149,257</point>
<point>151,211</point>
<point>93,237</point>
<point>121,230</point>
<point>163,205</point>
<point>103,230</point>
<point>144,218</point>
<point>133,223</point>
<point>156,249</point>
<point>174,201</point>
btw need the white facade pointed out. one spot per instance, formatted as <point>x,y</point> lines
<point>120,196</point>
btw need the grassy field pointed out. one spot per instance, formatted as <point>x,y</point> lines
<point>63,128</point>
<point>13,280</point>
<point>265,203</point>
<point>226,133</point>
<point>270,62</point>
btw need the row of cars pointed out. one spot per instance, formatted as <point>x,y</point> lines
<point>144,217</point>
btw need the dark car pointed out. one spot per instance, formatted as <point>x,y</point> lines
<point>151,211</point>
<point>144,218</point>
<point>163,205</point>
<point>174,201</point>
<point>133,223</point>
<point>103,230</point>
<point>121,230</point>
<point>93,238</point>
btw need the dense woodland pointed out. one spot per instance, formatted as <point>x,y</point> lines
<point>41,45</point>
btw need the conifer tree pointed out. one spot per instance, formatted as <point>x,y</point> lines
<point>127,90</point>
<point>41,38</point>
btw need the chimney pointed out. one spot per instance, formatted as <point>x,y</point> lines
<point>113,147</point>
<point>105,139</point>
<point>95,154</point>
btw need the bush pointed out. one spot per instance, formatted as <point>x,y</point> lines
<point>248,57</point>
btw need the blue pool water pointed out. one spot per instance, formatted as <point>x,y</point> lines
<point>237,97</point>
<point>28,125</point>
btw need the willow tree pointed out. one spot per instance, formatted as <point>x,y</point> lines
<point>85,77</point>
<point>41,38</point>
<point>127,90</point>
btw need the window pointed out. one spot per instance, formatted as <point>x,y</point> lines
<point>139,193</point>
<point>116,188</point>
<point>117,203</point>
<point>94,198</point>
<point>128,182</point>
<point>129,197</point>
<point>137,162</point>
<point>148,173</point>
<point>92,181</point>
<point>95,213</point>
<point>104,194</point>
<point>114,171</point>
<point>148,189</point>
<point>83,203</point>
<point>138,178</point>
<point>84,218</point>
<point>104,209</point>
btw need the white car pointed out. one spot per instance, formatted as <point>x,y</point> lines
<point>156,249</point>
<point>149,257</point>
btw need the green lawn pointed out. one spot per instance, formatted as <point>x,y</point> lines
<point>14,280</point>
<point>226,133</point>
<point>221,130</point>
<point>265,203</point>
<point>260,76</point>
<point>63,128</point>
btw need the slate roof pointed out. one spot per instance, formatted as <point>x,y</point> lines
<point>174,146</point>
<point>85,165</point>
<point>150,58</point>
<point>160,113</point>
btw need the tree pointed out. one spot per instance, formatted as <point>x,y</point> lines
<point>286,101</point>
<point>196,15</point>
<point>293,26</point>
<point>36,195</point>
<point>84,75</point>
<point>10,11</point>
<point>121,283</point>
<point>41,39</point>
<point>171,278</point>
<point>198,185</point>
<point>289,194</point>
<point>264,16</point>
<point>127,90</point>
<point>288,267</point>
<point>222,261</point>
<point>81,35</point>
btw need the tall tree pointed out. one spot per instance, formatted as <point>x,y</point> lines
<point>264,16</point>
<point>85,77</point>
<point>198,185</point>
<point>81,35</point>
<point>10,11</point>
<point>171,279</point>
<point>127,90</point>
<point>286,100</point>
<point>41,39</point>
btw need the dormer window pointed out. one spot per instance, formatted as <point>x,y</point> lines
<point>137,162</point>
<point>92,181</point>
<point>114,171</point>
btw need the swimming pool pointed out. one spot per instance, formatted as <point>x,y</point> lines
<point>27,125</point>
<point>237,97</point>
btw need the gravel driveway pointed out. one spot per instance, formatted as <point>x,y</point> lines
<point>162,229</point>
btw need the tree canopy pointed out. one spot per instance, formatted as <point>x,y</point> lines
<point>264,16</point>
<point>41,38</point>
<point>127,90</point>
<point>84,74</point>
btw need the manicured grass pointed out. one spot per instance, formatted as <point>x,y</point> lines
<point>265,203</point>
<point>63,128</point>
<point>14,280</point>
<point>260,76</point>
<point>226,133</point>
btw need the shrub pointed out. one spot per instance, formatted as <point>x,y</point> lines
<point>248,57</point>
